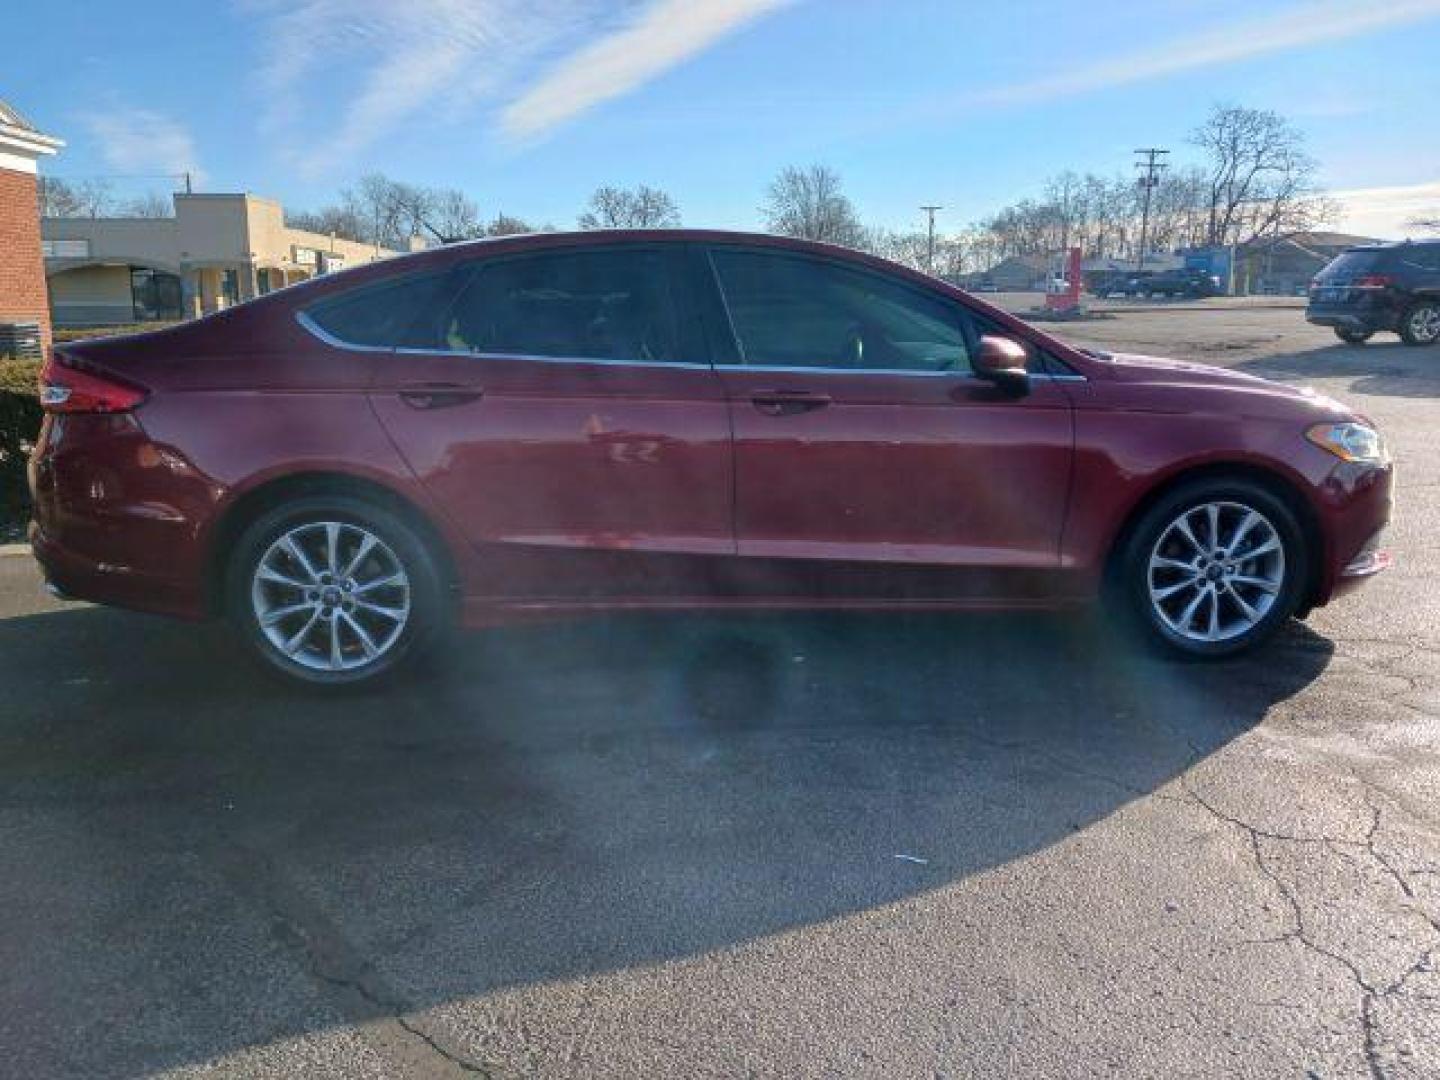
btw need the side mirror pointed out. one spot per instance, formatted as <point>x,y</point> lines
<point>1001,360</point>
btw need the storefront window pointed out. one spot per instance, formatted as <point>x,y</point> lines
<point>154,294</point>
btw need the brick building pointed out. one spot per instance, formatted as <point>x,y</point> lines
<point>23,297</point>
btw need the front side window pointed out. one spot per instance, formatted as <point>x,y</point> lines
<point>582,305</point>
<point>379,315</point>
<point>796,311</point>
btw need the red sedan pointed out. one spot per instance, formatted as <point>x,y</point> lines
<point>557,424</point>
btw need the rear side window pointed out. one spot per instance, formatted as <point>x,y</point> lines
<point>1423,256</point>
<point>379,315</point>
<point>583,305</point>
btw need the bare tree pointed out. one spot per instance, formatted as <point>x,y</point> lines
<point>63,199</point>
<point>1260,181</point>
<point>808,203</point>
<point>150,205</point>
<point>452,216</point>
<point>505,225</point>
<point>621,208</point>
<point>340,221</point>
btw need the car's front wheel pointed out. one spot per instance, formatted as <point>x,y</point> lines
<point>1214,568</point>
<point>331,590</point>
<point>1420,325</point>
<point>1353,337</point>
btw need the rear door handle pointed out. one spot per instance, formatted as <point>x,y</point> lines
<point>439,395</point>
<point>788,402</point>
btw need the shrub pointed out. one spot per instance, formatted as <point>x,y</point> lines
<point>80,333</point>
<point>19,425</point>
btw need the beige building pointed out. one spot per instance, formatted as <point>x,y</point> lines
<point>216,251</point>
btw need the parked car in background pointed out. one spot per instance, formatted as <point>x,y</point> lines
<point>558,424</point>
<point>1390,287</point>
<point>1182,281</point>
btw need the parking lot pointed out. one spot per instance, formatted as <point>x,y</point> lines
<point>793,846</point>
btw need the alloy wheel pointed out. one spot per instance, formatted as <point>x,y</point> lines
<point>1425,324</point>
<point>331,596</point>
<point>1215,571</point>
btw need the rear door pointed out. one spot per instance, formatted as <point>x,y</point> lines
<point>569,422</point>
<point>870,462</point>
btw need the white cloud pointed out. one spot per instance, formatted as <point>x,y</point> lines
<point>142,141</point>
<point>1385,211</point>
<point>405,57</point>
<point>1295,27</point>
<point>667,33</point>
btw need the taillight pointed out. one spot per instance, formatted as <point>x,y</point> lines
<point>1373,281</point>
<point>67,389</point>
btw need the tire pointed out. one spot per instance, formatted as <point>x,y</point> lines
<point>382,593</point>
<point>1252,595</point>
<point>1353,337</point>
<point>1420,325</point>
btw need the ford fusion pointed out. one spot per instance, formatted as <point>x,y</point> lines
<point>552,425</point>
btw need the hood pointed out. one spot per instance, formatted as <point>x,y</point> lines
<point>1163,372</point>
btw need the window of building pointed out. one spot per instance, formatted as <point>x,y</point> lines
<point>798,311</point>
<point>154,294</point>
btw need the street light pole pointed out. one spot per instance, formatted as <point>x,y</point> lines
<point>930,238</point>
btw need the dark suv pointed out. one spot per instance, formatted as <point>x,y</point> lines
<point>1394,287</point>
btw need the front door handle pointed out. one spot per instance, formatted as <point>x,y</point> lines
<point>788,402</point>
<point>438,395</point>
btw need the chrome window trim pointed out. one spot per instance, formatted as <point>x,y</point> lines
<point>799,369</point>
<point>314,328</point>
<point>596,360</point>
<point>330,339</point>
<point>308,323</point>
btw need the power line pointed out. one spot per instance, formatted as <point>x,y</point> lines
<point>185,176</point>
<point>1150,181</point>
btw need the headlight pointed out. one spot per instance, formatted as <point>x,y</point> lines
<point>1350,441</point>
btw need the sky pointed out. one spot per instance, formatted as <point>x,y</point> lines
<point>528,105</point>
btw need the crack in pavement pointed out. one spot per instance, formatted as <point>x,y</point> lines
<point>332,960</point>
<point>1371,995</point>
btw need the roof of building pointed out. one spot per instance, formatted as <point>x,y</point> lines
<point>12,118</point>
<point>18,134</point>
<point>1313,241</point>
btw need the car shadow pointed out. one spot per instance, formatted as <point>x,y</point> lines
<point>201,861</point>
<point>1386,368</point>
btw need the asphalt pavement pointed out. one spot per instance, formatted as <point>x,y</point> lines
<point>780,846</point>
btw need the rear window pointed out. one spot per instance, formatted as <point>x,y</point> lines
<point>1353,263</point>
<point>379,315</point>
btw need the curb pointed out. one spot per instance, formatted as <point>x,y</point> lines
<point>14,549</point>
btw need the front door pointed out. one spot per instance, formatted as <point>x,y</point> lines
<point>870,463</point>
<point>571,425</point>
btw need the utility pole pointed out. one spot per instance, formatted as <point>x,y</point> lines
<point>1149,181</point>
<point>930,238</point>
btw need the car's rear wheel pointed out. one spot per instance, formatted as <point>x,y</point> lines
<point>1420,325</point>
<point>1214,568</point>
<point>1353,337</point>
<point>333,590</point>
